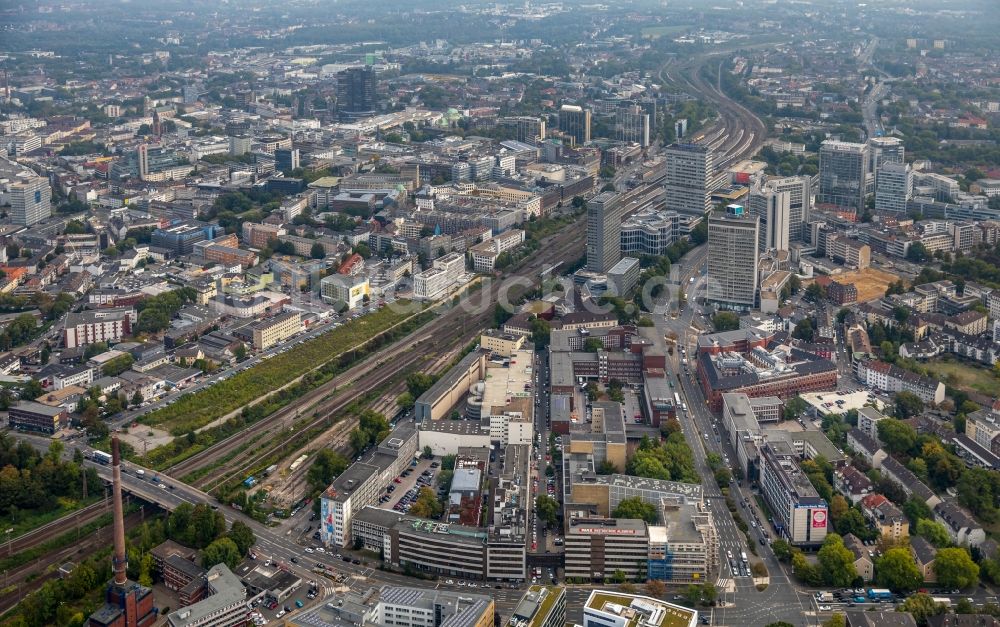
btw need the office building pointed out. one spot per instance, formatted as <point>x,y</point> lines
<point>649,232</point>
<point>575,122</point>
<point>541,606</point>
<point>32,416</point>
<point>632,125</point>
<point>286,159</point>
<point>623,276</point>
<point>597,548</point>
<point>269,332</point>
<point>344,289</point>
<point>733,252</point>
<point>799,190</point>
<point>606,608</point>
<point>427,607</point>
<point>893,188</point>
<point>843,175</point>
<point>774,210</point>
<point>524,128</point>
<point>224,605</point>
<point>181,237</point>
<point>685,548</point>
<point>883,150</point>
<point>356,93</point>
<point>604,223</point>
<point>689,178</point>
<point>30,201</point>
<point>800,514</point>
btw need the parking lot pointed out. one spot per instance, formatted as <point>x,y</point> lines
<point>391,499</point>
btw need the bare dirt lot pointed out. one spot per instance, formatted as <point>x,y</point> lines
<point>871,282</point>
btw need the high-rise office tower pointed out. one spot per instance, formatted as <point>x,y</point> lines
<point>142,160</point>
<point>356,93</point>
<point>575,122</point>
<point>894,187</point>
<point>799,189</point>
<point>632,125</point>
<point>286,159</point>
<point>733,254</point>
<point>689,179</point>
<point>843,174</point>
<point>127,603</point>
<point>30,201</point>
<point>884,150</point>
<point>604,227</point>
<point>524,128</point>
<point>773,207</point>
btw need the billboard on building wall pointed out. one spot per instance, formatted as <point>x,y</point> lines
<point>819,518</point>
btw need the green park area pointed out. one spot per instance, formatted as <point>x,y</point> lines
<point>964,376</point>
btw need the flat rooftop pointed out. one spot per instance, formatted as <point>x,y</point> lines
<point>840,402</point>
<point>641,611</point>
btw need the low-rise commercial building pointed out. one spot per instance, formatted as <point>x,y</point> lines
<point>225,604</point>
<point>101,325</point>
<point>541,606</point>
<point>32,416</point>
<point>267,333</point>
<point>605,608</point>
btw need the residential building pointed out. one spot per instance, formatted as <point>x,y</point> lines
<point>892,378</point>
<point>733,252</point>
<point>887,519</point>
<point>843,172</point>
<point>924,555</point>
<point>604,221</point>
<point>689,178</point>
<point>864,561</point>
<point>963,529</point>
<point>101,325</point>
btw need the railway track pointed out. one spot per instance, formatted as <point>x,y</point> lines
<point>56,528</point>
<point>16,584</point>
<point>441,334</point>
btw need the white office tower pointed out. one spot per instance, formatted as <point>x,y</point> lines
<point>689,178</point>
<point>774,210</point>
<point>733,253</point>
<point>30,200</point>
<point>604,227</point>
<point>884,150</point>
<point>894,187</point>
<point>632,125</point>
<point>843,174</point>
<point>800,191</point>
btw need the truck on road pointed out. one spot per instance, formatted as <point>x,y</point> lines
<point>880,593</point>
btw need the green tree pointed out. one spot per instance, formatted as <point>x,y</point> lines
<point>922,607</point>
<point>592,345</point>
<point>242,536</point>
<point>426,505</point>
<point>837,620</point>
<point>325,468</point>
<point>907,405</point>
<point>782,550</point>
<point>794,407</point>
<point>725,321</point>
<point>955,569</point>
<point>635,508</point>
<point>804,571</point>
<point>934,532</point>
<point>836,562</point>
<point>896,436</point>
<point>804,330</point>
<point>317,251</point>
<point>547,509</point>
<point>897,571</point>
<point>221,551</point>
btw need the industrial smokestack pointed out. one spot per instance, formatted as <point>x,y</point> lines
<point>119,563</point>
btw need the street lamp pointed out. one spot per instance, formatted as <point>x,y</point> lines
<point>8,532</point>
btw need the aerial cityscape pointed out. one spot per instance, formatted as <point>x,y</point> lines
<point>617,313</point>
